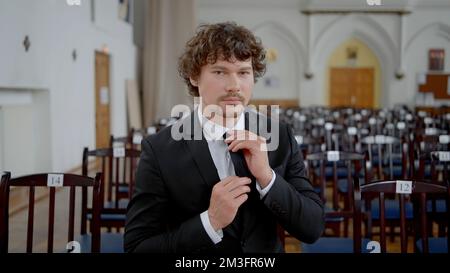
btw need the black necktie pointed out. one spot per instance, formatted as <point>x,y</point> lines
<point>241,170</point>
<point>240,166</point>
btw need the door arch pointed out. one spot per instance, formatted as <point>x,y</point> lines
<point>353,81</point>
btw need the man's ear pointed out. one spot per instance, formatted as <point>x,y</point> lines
<point>193,82</point>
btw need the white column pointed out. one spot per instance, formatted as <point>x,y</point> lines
<point>309,50</point>
<point>400,72</point>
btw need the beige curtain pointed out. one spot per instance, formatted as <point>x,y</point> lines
<point>168,25</point>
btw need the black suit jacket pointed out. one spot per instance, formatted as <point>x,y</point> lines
<point>174,181</point>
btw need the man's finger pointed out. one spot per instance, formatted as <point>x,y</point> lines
<point>227,180</point>
<point>234,143</point>
<point>238,182</point>
<point>241,199</point>
<point>236,192</point>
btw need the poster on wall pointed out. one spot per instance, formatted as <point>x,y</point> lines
<point>436,58</point>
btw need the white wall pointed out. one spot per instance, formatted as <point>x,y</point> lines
<point>25,135</point>
<point>427,26</point>
<point>55,29</point>
<point>279,25</point>
<point>1,140</point>
<point>18,157</point>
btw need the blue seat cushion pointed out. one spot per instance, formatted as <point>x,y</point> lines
<point>341,172</point>
<point>396,171</point>
<point>392,209</point>
<point>109,217</point>
<point>123,189</point>
<point>109,243</point>
<point>396,160</point>
<point>441,206</point>
<point>123,203</point>
<point>333,245</point>
<point>435,245</point>
<point>342,184</point>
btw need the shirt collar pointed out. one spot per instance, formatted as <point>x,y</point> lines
<point>214,131</point>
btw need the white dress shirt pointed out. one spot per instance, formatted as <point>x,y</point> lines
<point>213,133</point>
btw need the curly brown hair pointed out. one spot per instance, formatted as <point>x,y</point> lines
<point>222,40</point>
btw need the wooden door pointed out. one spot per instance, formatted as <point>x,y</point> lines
<point>102,100</point>
<point>352,87</point>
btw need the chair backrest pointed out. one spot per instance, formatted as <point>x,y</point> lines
<point>416,192</point>
<point>52,181</point>
<point>384,147</point>
<point>435,159</point>
<point>118,166</point>
<point>352,162</point>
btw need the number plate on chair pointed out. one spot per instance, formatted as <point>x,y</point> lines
<point>55,180</point>
<point>401,125</point>
<point>137,138</point>
<point>119,152</point>
<point>333,155</point>
<point>428,120</point>
<point>151,130</point>
<point>444,156</point>
<point>351,131</point>
<point>431,131</point>
<point>444,139</point>
<point>403,187</point>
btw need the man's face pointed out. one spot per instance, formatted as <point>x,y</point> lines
<point>227,84</point>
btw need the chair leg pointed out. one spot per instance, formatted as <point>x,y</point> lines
<point>346,227</point>
<point>441,230</point>
<point>392,231</point>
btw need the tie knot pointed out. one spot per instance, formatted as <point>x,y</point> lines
<point>225,135</point>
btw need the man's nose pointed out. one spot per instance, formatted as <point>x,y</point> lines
<point>233,84</point>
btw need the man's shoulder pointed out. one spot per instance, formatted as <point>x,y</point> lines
<point>163,138</point>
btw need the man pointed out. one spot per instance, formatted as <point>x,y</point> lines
<point>222,192</point>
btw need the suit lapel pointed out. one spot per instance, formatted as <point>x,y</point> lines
<point>199,150</point>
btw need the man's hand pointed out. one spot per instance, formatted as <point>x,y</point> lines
<point>227,196</point>
<point>254,148</point>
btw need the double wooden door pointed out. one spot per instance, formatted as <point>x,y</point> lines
<point>352,87</point>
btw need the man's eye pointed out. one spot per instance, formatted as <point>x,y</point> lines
<point>245,73</point>
<point>218,72</point>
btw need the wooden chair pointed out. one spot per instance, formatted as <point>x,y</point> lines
<point>52,181</point>
<point>415,192</point>
<point>341,244</point>
<point>118,166</point>
<point>343,166</point>
<point>439,172</point>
